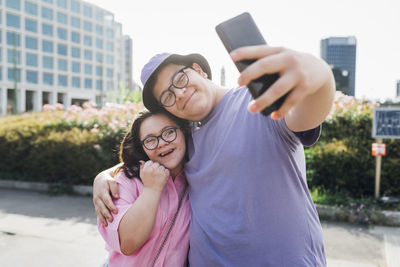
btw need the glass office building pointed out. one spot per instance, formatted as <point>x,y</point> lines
<point>58,51</point>
<point>340,54</point>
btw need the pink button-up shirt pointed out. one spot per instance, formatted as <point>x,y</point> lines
<point>174,252</point>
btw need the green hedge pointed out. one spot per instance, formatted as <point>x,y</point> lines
<point>61,147</point>
<point>342,162</point>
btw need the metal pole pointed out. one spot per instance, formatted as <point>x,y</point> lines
<point>15,76</point>
<point>378,171</point>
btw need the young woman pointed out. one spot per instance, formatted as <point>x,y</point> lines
<point>152,224</point>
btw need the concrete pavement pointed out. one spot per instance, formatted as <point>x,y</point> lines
<point>41,230</point>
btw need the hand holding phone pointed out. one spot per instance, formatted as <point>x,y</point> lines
<point>242,31</point>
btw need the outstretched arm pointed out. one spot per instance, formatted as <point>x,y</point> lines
<point>308,80</point>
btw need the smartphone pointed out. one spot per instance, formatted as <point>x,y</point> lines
<point>243,31</point>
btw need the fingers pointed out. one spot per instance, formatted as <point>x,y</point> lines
<point>267,65</point>
<point>277,90</point>
<point>102,212</point>
<point>254,52</point>
<point>295,96</point>
<point>113,188</point>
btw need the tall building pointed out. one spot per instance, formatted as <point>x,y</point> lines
<point>340,54</point>
<point>128,62</point>
<point>57,51</point>
<point>398,89</point>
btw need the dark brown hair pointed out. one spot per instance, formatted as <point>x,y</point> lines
<point>131,150</point>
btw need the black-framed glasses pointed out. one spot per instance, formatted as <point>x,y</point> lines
<point>179,80</point>
<point>168,135</point>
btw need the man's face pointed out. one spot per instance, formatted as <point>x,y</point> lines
<point>194,101</point>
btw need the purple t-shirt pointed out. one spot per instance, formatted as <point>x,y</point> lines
<point>250,201</point>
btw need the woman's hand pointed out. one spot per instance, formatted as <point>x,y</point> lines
<point>153,175</point>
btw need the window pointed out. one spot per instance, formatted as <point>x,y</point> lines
<point>110,73</point>
<point>88,55</point>
<point>10,74</point>
<point>47,13</point>
<point>47,29</point>
<point>99,71</point>
<point>30,25</point>
<point>99,15</point>
<point>31,76</point>
<point>88,83</point>
<point>48,1</point>
<point>31,60</point>
<point>31,8</point>
<point>62,80</point>
<point>62,18</point>
<point>75,37</point>
<point>62,64</point>
<point>99,30</point>
<point>62,49</point>
<point>76,67</point>
<point>99,84</point>
<point>87,40</point>
<point>87,11</point>
<point>62,33</point>
<point>109,33</point>
<point>88,69</point>
<point>99,57</point>
<point>13,39</point>
<point>47,78</point>
<point>87,26</point>
<point>47,46</point>
<point>47,62</point>
<point>75,6</point>
<point>13,55</point>
<point>75,22</point>
<point>109,46</point>
<point>62,3</point>
<point>99,43</point>
<point>75,52</point>
<point>110,60</point>
<point>31,42</point>
<point>14,4</point>
<point>76,82</point>
<point>109,86</point>
<point>13,21</point>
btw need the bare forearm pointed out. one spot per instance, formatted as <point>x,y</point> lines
<point>314,108</point>
<point>137,224</point>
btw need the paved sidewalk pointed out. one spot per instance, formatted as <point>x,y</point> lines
<point>41,230</point>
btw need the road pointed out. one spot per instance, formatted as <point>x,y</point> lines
<point>41,230</point>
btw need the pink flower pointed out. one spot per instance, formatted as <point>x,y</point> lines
<point>96,146</point>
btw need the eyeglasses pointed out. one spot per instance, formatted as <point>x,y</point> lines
<point>179,80</point>
<point>168,135</point>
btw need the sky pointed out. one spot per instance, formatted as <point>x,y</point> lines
<point>185,27</point>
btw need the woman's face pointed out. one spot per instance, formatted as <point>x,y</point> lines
<point>169,154</point>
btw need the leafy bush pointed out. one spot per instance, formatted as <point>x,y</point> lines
<point>67,147</point>
<point>342,162</point>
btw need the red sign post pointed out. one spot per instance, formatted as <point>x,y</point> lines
<point>378,150</point>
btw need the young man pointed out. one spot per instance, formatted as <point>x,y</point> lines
<point>248,191</point>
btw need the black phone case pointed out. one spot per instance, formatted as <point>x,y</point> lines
<point>242,31</point>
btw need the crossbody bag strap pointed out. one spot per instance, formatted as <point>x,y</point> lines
<point>170,227</point>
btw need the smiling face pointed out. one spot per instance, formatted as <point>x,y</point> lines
<point>171,155</point>
<point>193,102</point>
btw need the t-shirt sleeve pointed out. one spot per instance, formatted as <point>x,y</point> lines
<point>129,192</point>
<point>306,138</point>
